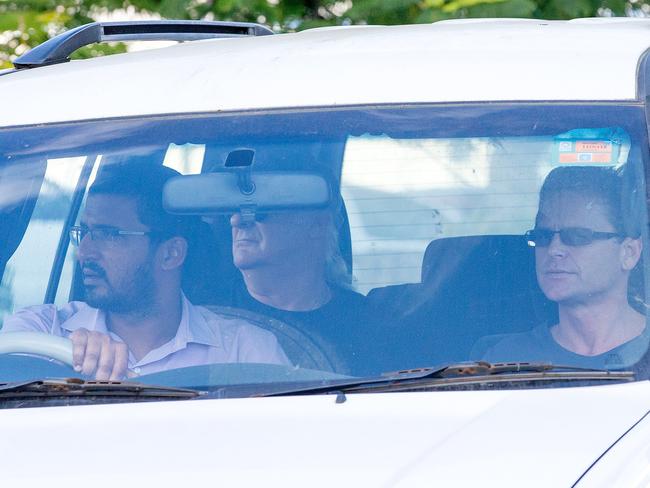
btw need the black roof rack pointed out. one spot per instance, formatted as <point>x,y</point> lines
<point>59,48</point>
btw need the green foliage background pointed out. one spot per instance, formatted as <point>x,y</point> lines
<point>26,23</point>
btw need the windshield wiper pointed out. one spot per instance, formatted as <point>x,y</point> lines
<point>75,387</point>
<point>461,373</point>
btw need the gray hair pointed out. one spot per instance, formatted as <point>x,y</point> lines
<point>336,269</point>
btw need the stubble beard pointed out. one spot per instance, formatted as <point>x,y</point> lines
<point>133,295</point>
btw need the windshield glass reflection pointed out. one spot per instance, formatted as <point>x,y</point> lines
<point>339,243</point>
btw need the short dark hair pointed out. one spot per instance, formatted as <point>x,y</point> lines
<point>604,184</point>
<point>144,182</point>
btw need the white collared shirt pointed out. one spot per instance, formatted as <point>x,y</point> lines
<point>203,337</point>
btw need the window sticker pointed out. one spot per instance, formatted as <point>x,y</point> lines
<point>607,147</point>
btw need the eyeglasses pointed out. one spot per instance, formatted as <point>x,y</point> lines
<point>258,217</point>
<point>571,236</point>
<point>102,235</point>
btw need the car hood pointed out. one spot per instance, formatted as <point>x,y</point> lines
<point>546,437</point>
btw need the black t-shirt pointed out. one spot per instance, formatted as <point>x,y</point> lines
<point>342,327</point>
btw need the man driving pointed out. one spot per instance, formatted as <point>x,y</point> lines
<point>131,255</point>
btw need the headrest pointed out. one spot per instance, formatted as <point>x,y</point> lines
<point>490,258</point>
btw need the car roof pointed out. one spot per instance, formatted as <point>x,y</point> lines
<point>449,61</point>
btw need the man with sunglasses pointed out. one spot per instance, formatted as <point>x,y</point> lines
<point>586,246</point>
<point>292,270</point>
<point>131,255</point>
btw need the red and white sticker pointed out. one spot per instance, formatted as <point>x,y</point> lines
<point>586,152</point>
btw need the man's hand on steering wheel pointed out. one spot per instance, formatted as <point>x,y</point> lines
<point>98,355</point>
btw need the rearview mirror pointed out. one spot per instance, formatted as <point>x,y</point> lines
<point>219,193</point>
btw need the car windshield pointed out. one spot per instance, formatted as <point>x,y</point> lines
<point>309,244</point>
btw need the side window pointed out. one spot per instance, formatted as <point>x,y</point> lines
<point>187,159</point>
<point>28,270</point>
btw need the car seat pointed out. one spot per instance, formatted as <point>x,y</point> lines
<point>470,287</point>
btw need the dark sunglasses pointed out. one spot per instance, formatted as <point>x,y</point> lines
<point>259,216</point>
<point>571,236</point>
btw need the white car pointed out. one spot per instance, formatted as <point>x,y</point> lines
<point>459,332</point>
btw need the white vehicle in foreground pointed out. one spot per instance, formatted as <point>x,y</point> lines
<point>429,145</point>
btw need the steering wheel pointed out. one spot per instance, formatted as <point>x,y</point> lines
<point>302,350</point>
<point>37,343</point>
<point>27,356</point>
